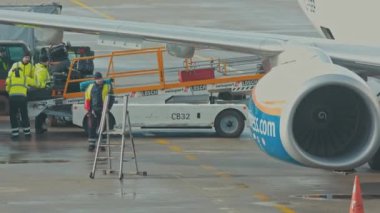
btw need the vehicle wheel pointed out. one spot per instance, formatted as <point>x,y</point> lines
<point>374,163</point>
<point>229,123</point>
<point>4,105</point>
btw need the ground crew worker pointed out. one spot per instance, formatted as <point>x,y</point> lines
<point>25,65</point>
<point>94,98</point>
<point>3,64</point>
<point>17,87</point>
<point>41,73</point>
<point>43,91</point>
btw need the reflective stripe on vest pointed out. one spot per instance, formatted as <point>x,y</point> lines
<point>18,84</point>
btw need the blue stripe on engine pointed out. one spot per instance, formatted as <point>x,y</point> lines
<point>265,130</point>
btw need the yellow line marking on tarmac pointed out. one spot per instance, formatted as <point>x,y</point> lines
<point>89,8</point>
<point>191,157</point>
<point>162,142</point>
<point>175,148</point>
<point>262,197</point>
<point>210,168</point>
<point>242,186</point>
<point>223,174</point>
<point>284,209</point>
<point>265,198</point>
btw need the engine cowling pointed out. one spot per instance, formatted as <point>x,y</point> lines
<point>315,114</point>
<point>180,50</point>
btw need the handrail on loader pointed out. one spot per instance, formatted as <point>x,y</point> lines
<point>158,69</point>
<point>111,73</point>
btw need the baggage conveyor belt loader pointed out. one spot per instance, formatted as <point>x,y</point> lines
<point>167,98</point>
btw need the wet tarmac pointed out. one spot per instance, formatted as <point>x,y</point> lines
<point>187,170</point>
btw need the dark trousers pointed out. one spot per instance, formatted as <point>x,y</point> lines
<point>93,125</point>
<point>19,104</point>
<point>39,122</point>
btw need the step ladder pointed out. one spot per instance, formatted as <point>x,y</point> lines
<point>126,129</point>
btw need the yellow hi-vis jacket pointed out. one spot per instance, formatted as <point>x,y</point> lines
<point>87,95</point>
<point>41,75</point>
<point>18,85</point>
<point>27,68</point>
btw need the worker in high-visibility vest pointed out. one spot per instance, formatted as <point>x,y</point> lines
<point>41,73</point>
<point>25,65</point>
<point>17,87</point>
<point>43,91</point>
<point>94,98</point>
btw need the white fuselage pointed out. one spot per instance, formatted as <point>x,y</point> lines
<point>348,20</point>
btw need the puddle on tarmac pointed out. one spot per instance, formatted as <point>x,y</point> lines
<point>31,161</point>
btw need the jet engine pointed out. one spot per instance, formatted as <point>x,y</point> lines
<point>311,112</point>
<point>180,50</point>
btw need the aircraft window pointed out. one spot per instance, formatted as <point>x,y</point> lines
<point>327,33</point>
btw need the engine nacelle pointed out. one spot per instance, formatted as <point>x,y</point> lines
<point>181,51</point>
<point>315,114</point>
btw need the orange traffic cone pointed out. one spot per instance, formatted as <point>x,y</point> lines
<point>356,200</point>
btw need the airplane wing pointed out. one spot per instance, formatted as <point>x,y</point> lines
<point>199,37</point>
<point>354,56</point>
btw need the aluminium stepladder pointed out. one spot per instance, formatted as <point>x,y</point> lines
<point>104,122</point>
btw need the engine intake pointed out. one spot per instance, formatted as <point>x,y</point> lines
<point>332,122</point>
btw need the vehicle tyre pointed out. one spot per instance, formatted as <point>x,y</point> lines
<point>4,105</point>
<point>374,163</point>
<point>229,123</point>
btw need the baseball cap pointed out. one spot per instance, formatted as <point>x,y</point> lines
<point>98,75</point>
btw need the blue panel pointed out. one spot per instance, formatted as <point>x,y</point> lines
<point>265,130</point>
<point>83,85</point>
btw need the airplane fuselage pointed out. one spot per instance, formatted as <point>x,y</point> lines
<point>346,21</point>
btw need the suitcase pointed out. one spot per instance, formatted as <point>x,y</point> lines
<point>196,74</point>
<point>58,52</point>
